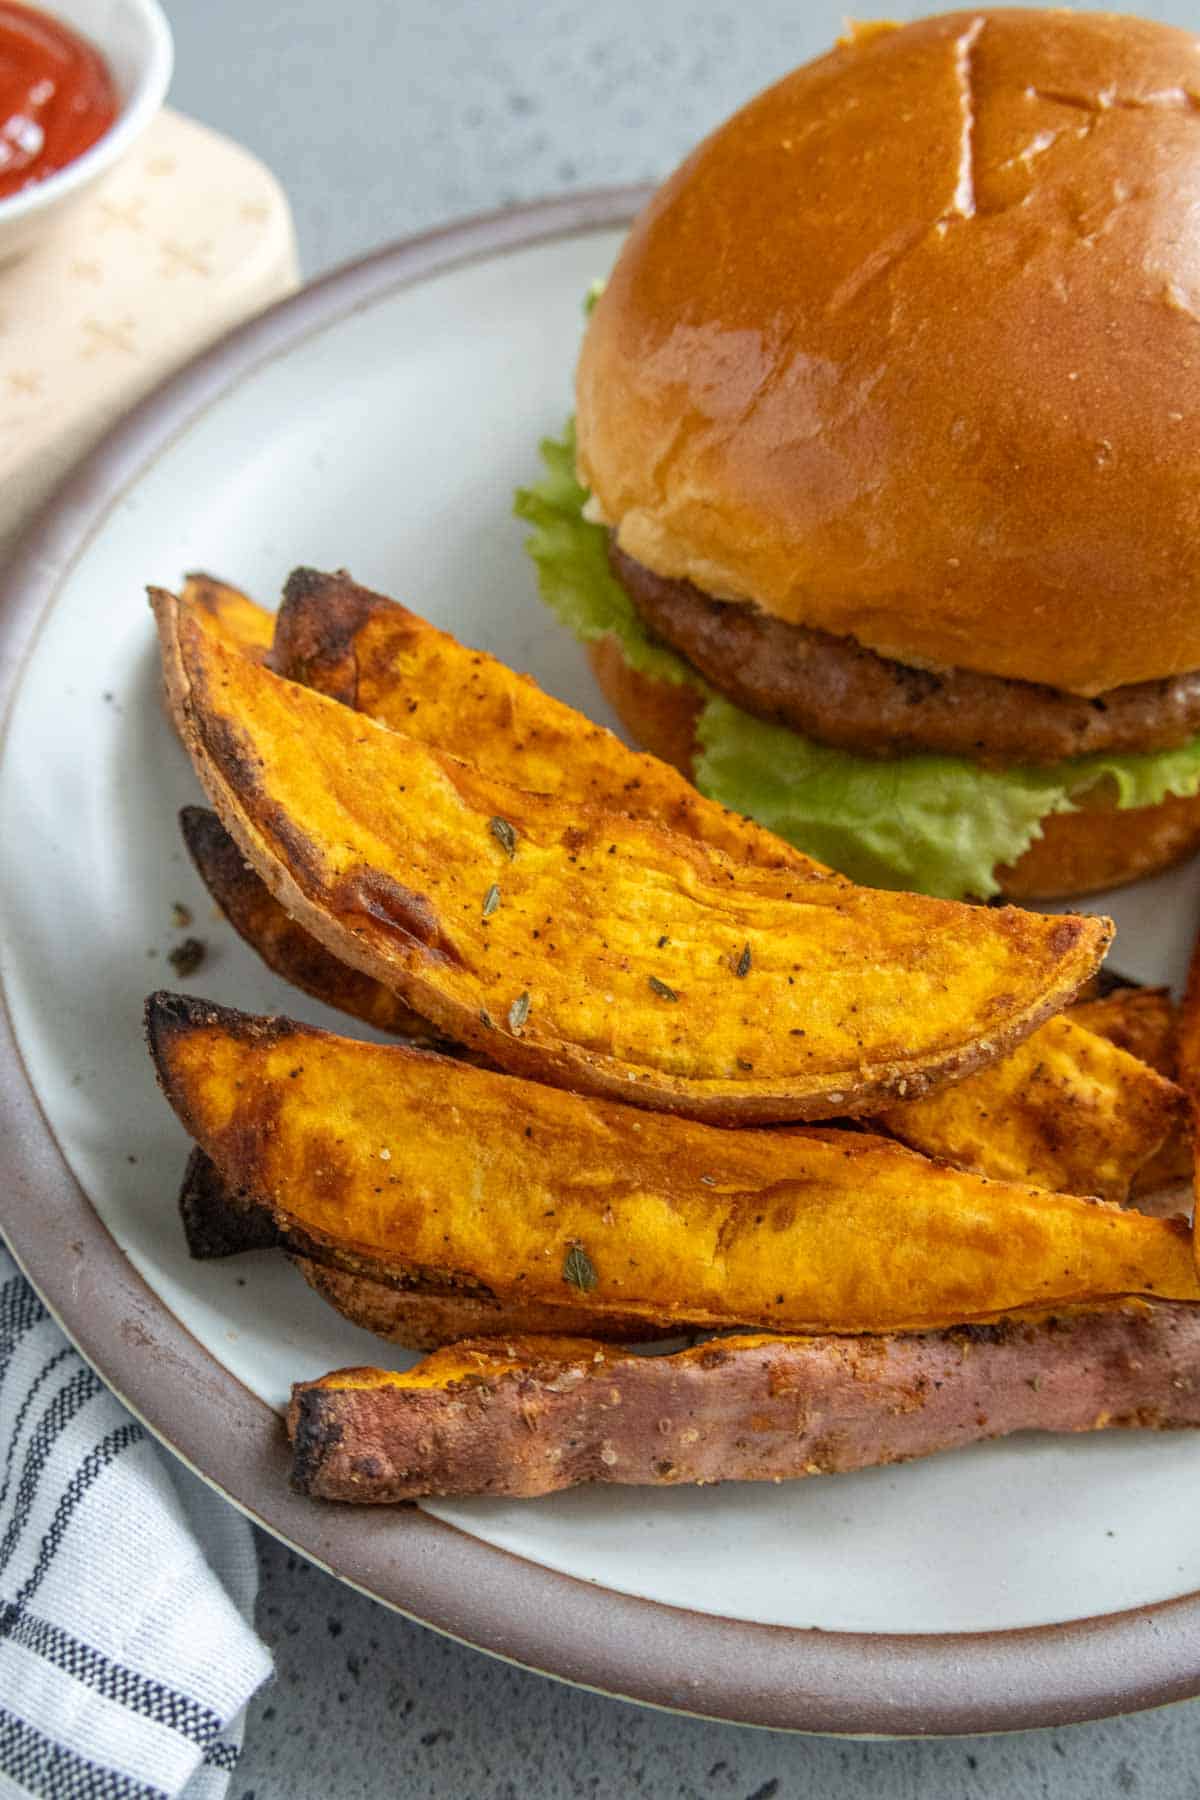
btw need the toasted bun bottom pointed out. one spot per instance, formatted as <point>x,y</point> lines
<point>1082,852</point>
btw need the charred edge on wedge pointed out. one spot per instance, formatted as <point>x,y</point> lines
<point>236,1219</point>
<point>218,1220</point>
<point>217,859</point>
<point>315,1432</point>
<point>170,1018</point>
<point>228,749</point>
<point>315,630</point>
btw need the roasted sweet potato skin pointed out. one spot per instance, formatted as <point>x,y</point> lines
<point>285,946</point>
<point>444,1174</point>
<point>1066,1110</point>
<point>422,1320</point>
<point>535,1416</point>
<point>376,656</point>
<point>619,959</point>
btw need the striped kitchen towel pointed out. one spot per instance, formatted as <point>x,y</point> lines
<point>127,1647</point>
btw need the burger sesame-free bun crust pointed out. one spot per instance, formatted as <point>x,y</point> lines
<point>1083,852</point>
<point>909,350</point>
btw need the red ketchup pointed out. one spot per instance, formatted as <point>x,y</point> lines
<point>56,96</point>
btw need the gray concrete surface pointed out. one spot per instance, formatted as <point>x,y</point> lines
<point>381,117</point>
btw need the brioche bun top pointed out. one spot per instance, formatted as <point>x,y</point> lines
<point>909,350</point>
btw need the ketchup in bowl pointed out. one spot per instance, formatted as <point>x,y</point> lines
<point>56,96</point>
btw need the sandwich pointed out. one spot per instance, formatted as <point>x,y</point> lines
<point>880,510</point>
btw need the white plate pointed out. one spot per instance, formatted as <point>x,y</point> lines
<point>386,433</point>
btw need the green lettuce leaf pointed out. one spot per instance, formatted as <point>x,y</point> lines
<point>572,564</point>
<point>938,824</point>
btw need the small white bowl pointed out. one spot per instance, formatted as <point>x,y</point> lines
<point>135,40</point>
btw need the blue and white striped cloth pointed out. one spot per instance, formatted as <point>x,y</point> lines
<point>127,1645</point>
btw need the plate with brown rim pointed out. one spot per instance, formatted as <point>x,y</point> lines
<point>381,420</point>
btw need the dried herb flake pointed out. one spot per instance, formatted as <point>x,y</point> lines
<point>518,1012</point>
<point>491,901</point>
<point>505,835</point>
<point>661,989</point>
<point>742,967</point>
<point>578,1270</point>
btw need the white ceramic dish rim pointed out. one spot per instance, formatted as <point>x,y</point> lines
<point>138,110</point>
<point>825,1681</point>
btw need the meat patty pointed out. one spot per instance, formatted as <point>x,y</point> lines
<point>832,689</point>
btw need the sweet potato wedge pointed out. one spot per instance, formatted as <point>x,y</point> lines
<point>1065,1110</point>
<point>491,1186</point>
<point>1087,1122</point>
<point>243,624</point>
<point>380,659</point>
<point>220,1221</point>
<point>374,655</point>
<point>1140,1020</point>
<point>1143,1021</point>
<point>284,946</point>
<point>534,1416</point>
<point>595,950</point>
